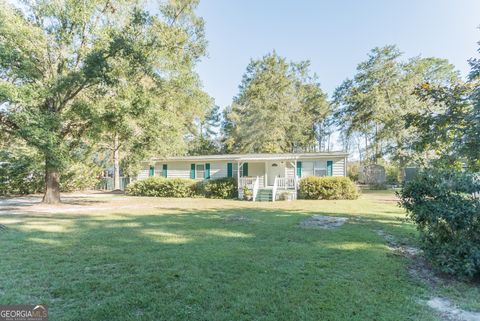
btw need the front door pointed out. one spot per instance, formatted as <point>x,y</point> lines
<point>275,169</point>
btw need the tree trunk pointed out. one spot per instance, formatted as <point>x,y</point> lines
<point>376,144</point>
<point>52,185</point>
<point>366,149</point>
<point>116,164</point>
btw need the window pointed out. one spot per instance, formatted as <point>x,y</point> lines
<point>307,169</point>
<point>316,168</point>
<point>320,168</point>
<point>200,171</point>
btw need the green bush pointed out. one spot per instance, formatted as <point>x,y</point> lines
<point>352,171</point>
<point>80,176</point>
<point>225,188</point>
<point>392,174</point>
<point>447,214</point>
<point>21,172</point>
<point>327,188</point>
<point>162,187</point>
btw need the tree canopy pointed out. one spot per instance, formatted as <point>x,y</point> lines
<point>451,134</point>
<point>279,108</point>
<point>67,66</point>
<point>373,104</point>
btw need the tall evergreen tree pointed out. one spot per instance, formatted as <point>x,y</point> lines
<point>205,134</point>
<point>278,108</point>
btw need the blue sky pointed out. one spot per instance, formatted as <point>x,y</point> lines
<point>334,35</point>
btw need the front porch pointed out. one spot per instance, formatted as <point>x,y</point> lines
<point>267,180</point>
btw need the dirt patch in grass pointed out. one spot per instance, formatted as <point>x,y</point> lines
<point>323,222</point>
<point>421,270</point>
<point>237,218</point>
<point>419,267</point>
<point>449,312</point>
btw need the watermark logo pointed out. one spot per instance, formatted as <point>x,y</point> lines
<point>23,312</point>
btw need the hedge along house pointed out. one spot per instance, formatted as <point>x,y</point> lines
<point>267,176</point>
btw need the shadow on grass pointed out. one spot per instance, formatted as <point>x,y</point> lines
<point>199,265</point>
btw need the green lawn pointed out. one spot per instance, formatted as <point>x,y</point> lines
<point>194,259</point>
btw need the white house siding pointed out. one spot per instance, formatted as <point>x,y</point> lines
<point>181,169</point>
<point>339,167</point>
<point>176,169</point>
<point>218,169</point>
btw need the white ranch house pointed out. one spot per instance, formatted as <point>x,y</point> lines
<point>267,175</point>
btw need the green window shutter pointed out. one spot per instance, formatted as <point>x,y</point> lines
<point>192,171</point>
<point>299,169</point>
<point>245,169</point>
<point>229,170</point>
<point>329,168</point>
<point>164,170</point>
<point>152,171</point>
<point>207,171</point>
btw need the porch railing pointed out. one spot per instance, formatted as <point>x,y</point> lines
<point>255,189</point>
<point>246,182</point>
<point>249,181</point>
<point>274,189</point>
<point>285,182</point>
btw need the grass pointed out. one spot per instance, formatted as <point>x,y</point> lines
<point>199,259</point>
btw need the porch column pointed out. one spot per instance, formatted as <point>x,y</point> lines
<point>266,178</point>
<point>238,172</point>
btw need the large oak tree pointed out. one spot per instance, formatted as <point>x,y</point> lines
<point>59,60</point>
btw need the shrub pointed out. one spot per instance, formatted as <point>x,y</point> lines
<point>392,174</point>
<point>225,188</point>
<point>247,194</point>
<point>80,176</point>
<point>353,171</point>
<point>447,214</point>
<point>327,188</point>
<point>162,187</point>
<point>21,172</point>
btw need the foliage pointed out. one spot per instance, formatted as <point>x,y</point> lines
<point>80,176</point>
<point>225,188</point>
<point>447,214</point>
<point>247,194</point>
<point>373,104</point>
<point>353,171</point>
<point>222,188</point>
<point>451,136</point>
<point>393,174</point>
<point>162,187</point>
<point>205,134</point>
<point>69,70</point>
<point>327,188</point>
<point>285,196</point>
<point>280,98</point>
<point>21,171</point>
